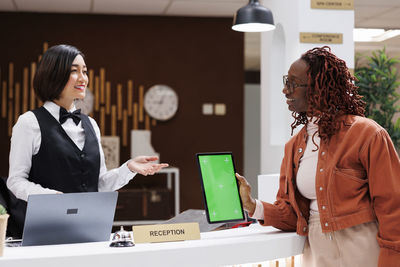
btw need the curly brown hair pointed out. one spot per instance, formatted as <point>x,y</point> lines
<point>331,92</point>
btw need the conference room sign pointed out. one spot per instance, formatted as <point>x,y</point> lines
<point>321,38</point>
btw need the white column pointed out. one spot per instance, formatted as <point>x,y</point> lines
<point>279,49</point>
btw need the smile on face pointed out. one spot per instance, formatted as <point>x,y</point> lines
<point>296,88</point>
<point>76,85</point>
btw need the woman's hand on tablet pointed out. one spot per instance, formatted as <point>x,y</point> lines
<point>249,203</point>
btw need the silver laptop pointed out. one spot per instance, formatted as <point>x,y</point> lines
<point>69,218</point>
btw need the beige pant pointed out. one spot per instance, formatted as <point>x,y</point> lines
<point>351,247</point>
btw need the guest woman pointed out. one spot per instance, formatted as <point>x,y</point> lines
<point>340,175</point>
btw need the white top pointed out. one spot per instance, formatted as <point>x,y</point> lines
<point>25,142</point>
<point>305,179</point>
<point>308,166</point>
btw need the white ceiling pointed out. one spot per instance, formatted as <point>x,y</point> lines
<point>384,14</point>
<point>368,14</point>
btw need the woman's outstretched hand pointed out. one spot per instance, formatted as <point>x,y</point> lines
<point>145,165</point>
<point>249,203</point>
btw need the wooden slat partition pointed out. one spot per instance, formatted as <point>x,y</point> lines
<point>147,122</point>
<point>141,92</point>
<point>130,97</point>
<point>113,120</point>
<point>11,80</point>
<point>290,261</point>
<point>19,97</point>
<point>119,101</point>
<point>10,117</point>
<point>135,116</point>
<point>32,98</point>
<point>17,104</point>
<point>45,46</point>
<point>108,97</point>
<point>4,100</point>
<point>102,84</point>
<point>125,128</point>
<point>96,93</point>
<point>102,121</point>
<point>25,86</point>
<point>91,80</point>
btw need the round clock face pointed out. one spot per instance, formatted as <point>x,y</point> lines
<point>161,102</point>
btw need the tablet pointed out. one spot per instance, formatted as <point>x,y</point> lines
<point>220,187</point>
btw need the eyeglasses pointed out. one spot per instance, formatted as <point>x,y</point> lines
<point>291,85</point>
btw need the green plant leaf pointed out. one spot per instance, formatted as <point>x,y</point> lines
<point>397,125</point>
<point>377,83</point>
<point>2,210</point>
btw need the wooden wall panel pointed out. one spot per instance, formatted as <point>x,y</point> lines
<point>25,90</point>
<point>130,97</point>
<point>11,80</point>
<point>102,84</point>
<point>4,100</point>
<point>17,102</point>
<point>32,93</point>
<point>200,58</point>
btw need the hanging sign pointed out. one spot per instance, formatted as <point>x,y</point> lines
<point>332,4</point>
<point>321,38</point>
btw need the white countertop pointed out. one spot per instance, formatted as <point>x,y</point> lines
<point>232,246</point>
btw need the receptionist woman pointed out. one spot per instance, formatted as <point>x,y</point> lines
<point>54,148</point>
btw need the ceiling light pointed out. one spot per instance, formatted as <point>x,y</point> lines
<point>373,35</point>
<point>253,18</point>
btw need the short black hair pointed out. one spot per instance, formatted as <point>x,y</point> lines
<point>53,71</point>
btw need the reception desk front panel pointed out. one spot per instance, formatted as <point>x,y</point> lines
<point>224,247</point>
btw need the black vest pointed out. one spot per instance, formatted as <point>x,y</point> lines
<point>59,163</point>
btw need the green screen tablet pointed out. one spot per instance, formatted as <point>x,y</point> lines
<point>220,187</point>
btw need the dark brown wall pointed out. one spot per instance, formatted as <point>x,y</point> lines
<point>201,58</point>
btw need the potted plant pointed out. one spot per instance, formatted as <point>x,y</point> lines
<point>378,84</point>
<point>3,227</point>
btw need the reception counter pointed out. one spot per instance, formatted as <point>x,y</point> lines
<point>225,247</point>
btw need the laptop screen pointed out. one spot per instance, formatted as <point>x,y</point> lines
<point>69,218</point>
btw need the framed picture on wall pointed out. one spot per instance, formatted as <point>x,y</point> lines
<point>110,146</point>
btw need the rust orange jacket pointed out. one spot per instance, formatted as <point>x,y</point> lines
<point>357,181</point>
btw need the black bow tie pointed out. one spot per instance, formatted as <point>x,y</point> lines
<point>64,115</point>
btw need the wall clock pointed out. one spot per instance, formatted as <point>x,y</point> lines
<point>161,102</point>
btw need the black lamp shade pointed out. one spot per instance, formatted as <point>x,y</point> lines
<point>253,18</point>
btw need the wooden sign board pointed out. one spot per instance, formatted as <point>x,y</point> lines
<point>321,38</point>
<point>332,4</point>
<point>166,232</point>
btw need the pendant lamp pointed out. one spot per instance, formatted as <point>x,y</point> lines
<point>253,18</point>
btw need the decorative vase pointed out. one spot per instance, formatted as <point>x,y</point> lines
<point>141,144</point>
<point>3,228</point>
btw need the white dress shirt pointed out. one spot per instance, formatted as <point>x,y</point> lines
<point>25,142</point>
<point>305,178</point>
